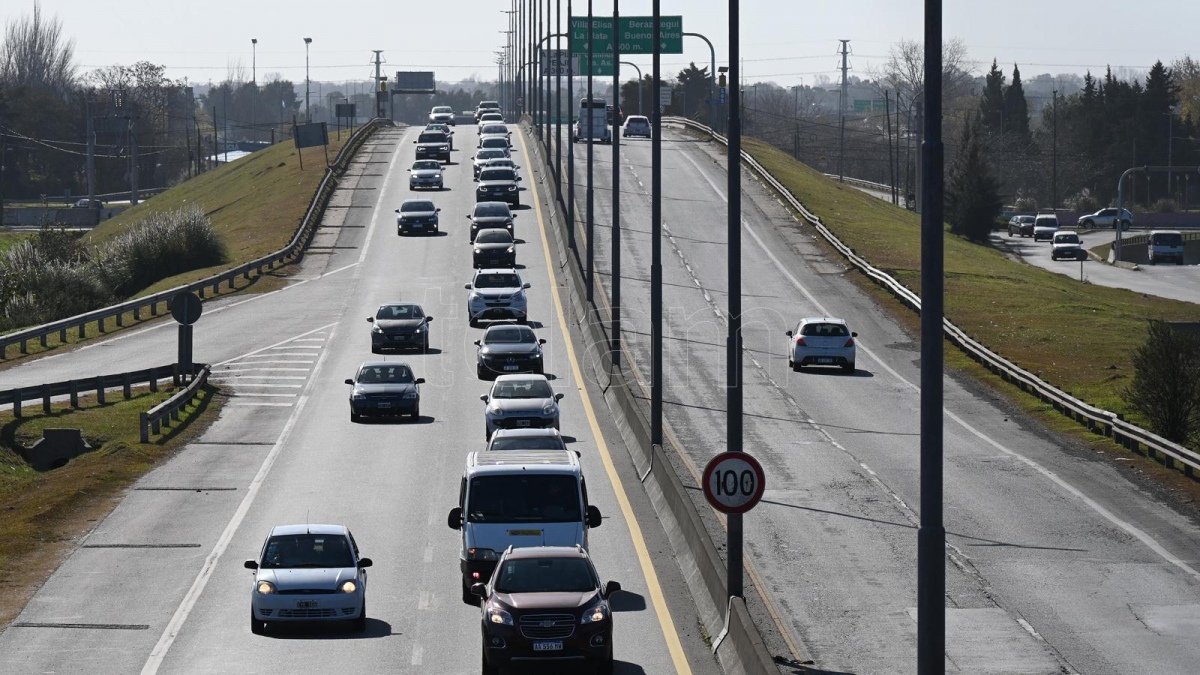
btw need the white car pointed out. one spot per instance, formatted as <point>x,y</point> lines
<point>1067,244</point>
<point>495,130</point>
<point>425,173</point>
<point>821,341</point>
<point>496,294</point>
<point>441,114</point>
<point>1044,226</point>
<point>636,125</point>
<point>520,402</point>
<point>308,573</point>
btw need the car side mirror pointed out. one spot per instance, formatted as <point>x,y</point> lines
<point>578,453</point>
<point>789,333</point>
<point>484,398</point>
<point>397,210</point>
<point>409,170</point>
<point>477,343</point>
<point>454,518</point>
<point>367,562</point>
<point>419,380</point>
<point>527,286</point>
<point>414,142</point>
<point>472,156</point>
<point>349,381</point>
<point>594,519</point>
<point>479,591</point>
<point>558,397</point>
<point>371,319</point>
<point>428,319</point>
<point>437,210</point>
<point>541,341</point>
<point>518,179</point>
<point>467,286</point>
<point>250,564</point>
<point>853,334</point>
<point>468,217</point>
<point>610,587</point>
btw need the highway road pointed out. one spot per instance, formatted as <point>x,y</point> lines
<point>1056,561</point>
<point>158,586</point>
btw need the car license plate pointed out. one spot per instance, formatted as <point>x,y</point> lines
<point>512,367</point>
<point>306,604</point>
<point>548,646</point>
<point>385,404</point>
<point>522,423</point>
<point>824,359</point>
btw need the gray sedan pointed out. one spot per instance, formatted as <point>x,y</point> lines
<point>425,173</point>
<point>508,349</point>
<point>398,325</point>
<point>520,402</point>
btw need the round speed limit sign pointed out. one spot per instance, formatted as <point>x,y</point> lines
<point>733,482</point>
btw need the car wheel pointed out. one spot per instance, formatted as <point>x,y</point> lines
<point>425,344</point>
<point>355,418</point>
<point>480,373</point>
<point>796,366</point>
<point>359,625</point>
<point>849,367</point>
<point>540,369</point>
<point>487,433</point>
<point>606,666</point>
<point>472,322</point>
<point>257,627</point>
<point>1087,223</point>
<point>485,667</point>
<point>1010,233</point>
<point>416,413</point>
<point>471,599</point>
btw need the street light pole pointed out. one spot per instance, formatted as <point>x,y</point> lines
<point>733,342</point>
<point>615,328</point>
<point>307,114</point>
<point>254,61</point>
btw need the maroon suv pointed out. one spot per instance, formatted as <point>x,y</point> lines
<point>546,603</point>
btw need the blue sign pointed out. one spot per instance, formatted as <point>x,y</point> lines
<point>722,97</point>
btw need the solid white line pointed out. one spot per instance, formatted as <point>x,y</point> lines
<point>226,376</point>
<point>252,370</point>
<point>243,394</point>
<point>1139,534</point>
<point>274,355</point>
<point>299,347</point>
<point>258,385</point>
<point>234,359</point>
<point>257,404</point>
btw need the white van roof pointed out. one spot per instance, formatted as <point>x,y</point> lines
<point>518,461</point>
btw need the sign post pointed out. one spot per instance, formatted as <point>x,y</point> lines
<point>733,482</point>
<point>185,308</point>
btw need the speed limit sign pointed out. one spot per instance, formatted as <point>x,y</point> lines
<point>733,482</point>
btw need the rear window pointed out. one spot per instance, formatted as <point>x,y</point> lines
<point>824,330</point>
<point>529,443</point>
<point>416,206</point>
<point>494,129</point>
<point>1047,221</point>
<point>495,143</point>
<point>490,153</point>
<point>524,498</point>
<point>510,335</point>
<point>497,280</point>
<point>1071,238</point>
<point>491,210</point>
<point>1166,239</point>
<point>497,174</point>
<point>442,109</point>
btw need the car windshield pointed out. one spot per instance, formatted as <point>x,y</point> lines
<point>495,143</point>
<point>490,153</point>
<point>501,162</point>
<point>824,330</point>
<point>489,237</point>
<point>497,174</point>
<point>492,210</point>
<point>498,280</point>
<point>307,550</point>
<point>396,374</point>
<point>509,335</point>
<point>1067,239</point>
<point>494,129</point>
<point>1025,219</point>
<point>432,137</point>
<point>488,104</point>
<point>528,443</point>
<point>522,389</point>
<point>399,312</point>
<point>546,575</point>
<point>416,206</point>
<point>1167,239</point>
<point>524,498</point>
<point>426,165</point>
<point>443,109</point>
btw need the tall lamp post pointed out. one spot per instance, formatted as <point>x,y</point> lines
<point>254,60</point>
<point>307,114</point>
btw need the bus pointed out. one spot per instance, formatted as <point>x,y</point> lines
<point>592,121</point>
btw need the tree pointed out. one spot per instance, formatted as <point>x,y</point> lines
<point>1186,73</point>
<point>991,104</point>
<point>693,86</point>
<point>1016,110</point>
<point>36,55</point>
<point>1166,382</point>
<point>972,192</point>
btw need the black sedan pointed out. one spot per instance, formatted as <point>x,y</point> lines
<point>385,389</point>
<point>494,247</point>
<point>498,185</point>
<point>399,325</point>
<point>491,214</point>
<point>417,215</point>
<point>507,349</point>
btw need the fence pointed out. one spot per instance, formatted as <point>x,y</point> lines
<point>99,384</point>
<point>166,412</point>
<point>1101,421</point>
<point>151,303</point>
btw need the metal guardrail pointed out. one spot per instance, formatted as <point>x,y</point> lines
<point>860,183</point>
<point>1101,421</point>
<point>289,253</point>
<point>166,412</point>
<point>73,388</point>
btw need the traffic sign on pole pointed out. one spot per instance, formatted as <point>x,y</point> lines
<point>637,35</point>
<point>733,482</point>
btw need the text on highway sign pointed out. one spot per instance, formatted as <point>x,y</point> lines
<point>733,482</point>
<point>636,35</point>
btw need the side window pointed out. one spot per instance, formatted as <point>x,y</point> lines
<point>583,489</point>
<point>262,555</point>
<point>462,493</point>
<point>353,544</point>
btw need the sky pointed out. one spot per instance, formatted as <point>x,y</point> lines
<point>788,42</point>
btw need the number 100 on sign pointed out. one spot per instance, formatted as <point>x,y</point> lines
<point>733,482</point>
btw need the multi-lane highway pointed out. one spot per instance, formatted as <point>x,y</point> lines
<point>1056,561</point>
<point>159,585</point>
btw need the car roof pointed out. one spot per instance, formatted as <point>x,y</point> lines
<point>1166,232</point>
<point>522,377</point>
<point>520,461</point>
<point>545,552</point>
<point>822,319</point>
<point>497,270</point>
<point>526,433</point>
<point>383,364</point>
<point>505,326</point>
<point>308,528</point>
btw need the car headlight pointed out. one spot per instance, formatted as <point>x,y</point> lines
<point>358,395</point>
<point>481,554</point>
<point>265,588</point>
<point>497,615</point>
<point>376,329</point>
<point>512,188</point>
<point>475,297</point>
<point>478,250</point>
<point>411,395</point>
<point>519,296</point>
<point>481,189</point>
<point>417,331</point>
<point>496,412</point>
<point>511,249</point>
<point>595,613</point>
<point>348,586</point>
<point>549,409</point>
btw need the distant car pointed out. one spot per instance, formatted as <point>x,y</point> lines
<point>399,325</point>
<point>498,185</point>
<point>1166,245</point>
<point>88,204</point>
<point>444,128</point>
<point>821,341</point>
<point>636,125</point>
<point>1106,218</point>
<point>496,294</point>
<point>494,130</point>
<point>526,439</point>
<point>508,349</point>
<point>425,173</point>
<point>308,572</point>
<point>491,117</point>
<point>520,402</point>
<point>1044,226</point>
<point>1021,226</point>
<point>495,143</point>
<point>494,247</point>
<point>491,214</point>
<point>502,163</point>
<point>433,145</point>
<point>385,389</point>
<point>417,215</point>
<point>484,156</point>
<point>441,114</point>
<point>1066,244</point>
<point>546,603</point>
<point>486,107</point>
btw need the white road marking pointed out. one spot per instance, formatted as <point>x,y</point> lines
<point>418,654</point>
<point>235,359</point>
<point>231,377</point>
<point>241,394</point>
<point>423,600</point>
<point>252,370</point>
<point>299,347</point>
<point>429,553</point>
<point>261,385</point>
<point>257,404</point>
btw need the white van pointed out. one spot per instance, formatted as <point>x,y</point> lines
<point>1166,245</point>
<point>595,110</point>
<point>518,498</point>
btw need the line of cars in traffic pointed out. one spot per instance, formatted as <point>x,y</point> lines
<point>1163,245</point>
<point>523,512</point>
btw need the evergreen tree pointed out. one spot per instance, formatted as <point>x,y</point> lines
<point>972,192</point>
<point>991,104</point>
<point>1016,110</point>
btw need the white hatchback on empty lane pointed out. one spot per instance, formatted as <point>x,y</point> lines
<point>821,341</point>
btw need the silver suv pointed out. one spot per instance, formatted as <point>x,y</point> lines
<point>496,294</point>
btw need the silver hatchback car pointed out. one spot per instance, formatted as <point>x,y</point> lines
<point>821,341</point>
<point>520,402</point>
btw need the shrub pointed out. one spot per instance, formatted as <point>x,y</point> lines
<point>163,245</point>
<point>1166,382</point>
<point>1084,203</point>
<point>1165,206</point>
<point>1026,204</point>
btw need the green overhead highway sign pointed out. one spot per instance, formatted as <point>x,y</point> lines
<point>636,35</point>
<point>603,66</point>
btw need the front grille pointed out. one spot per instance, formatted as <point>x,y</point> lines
<point>347,611</point>
<point>307,591</point>
<point>328,613</point>
<point>523,422</point>
<point>547,626</point>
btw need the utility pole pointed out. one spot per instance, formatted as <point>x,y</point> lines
<point>887,111</point>
<point>733,344</point>
<point>920,172</point>
<point>842,101</point>
<point>571,155</point>
<point>656,302</point>
<point>91,149</point>
<point>615,329</point>
<point>133,157</point>
<point>307,114</point>
<point>1054,154</point>
<point>254,61</point>
<point>591,193</point>
<point>379,95</point>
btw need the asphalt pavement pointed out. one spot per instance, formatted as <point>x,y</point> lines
<point>159,586</point>
<point>1055,562</point>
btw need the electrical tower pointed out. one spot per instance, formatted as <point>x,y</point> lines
<point>842,105</point>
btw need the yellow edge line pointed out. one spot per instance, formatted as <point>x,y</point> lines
<point>635,531</point>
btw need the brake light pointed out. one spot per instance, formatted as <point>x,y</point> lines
<point>800,342</point>
<point>849,343</point>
